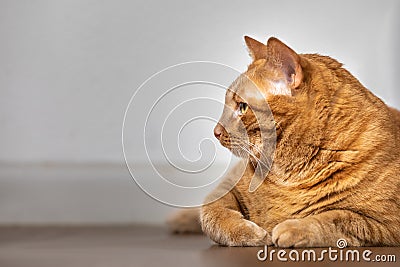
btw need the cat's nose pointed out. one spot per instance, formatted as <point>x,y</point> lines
<point>218,130</point>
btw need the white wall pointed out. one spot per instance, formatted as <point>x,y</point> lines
<point>69,67</point>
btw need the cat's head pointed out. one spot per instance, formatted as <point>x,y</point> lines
<point>247,122</point>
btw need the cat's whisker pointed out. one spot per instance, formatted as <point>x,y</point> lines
<point>247,150</point>
<point>263,157</point>
<point>263,164</point>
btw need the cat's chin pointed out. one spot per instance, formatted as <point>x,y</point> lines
<point>244,155</point>
<point>240,154</point>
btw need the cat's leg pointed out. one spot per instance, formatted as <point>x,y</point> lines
<point>223,222</point>
<point>326,228</point>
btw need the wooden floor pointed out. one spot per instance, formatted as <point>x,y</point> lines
<point>135,246</point>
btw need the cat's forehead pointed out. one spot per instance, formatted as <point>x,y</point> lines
<point>245,88</point>
<point>238,82</point>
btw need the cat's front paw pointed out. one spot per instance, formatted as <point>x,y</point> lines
<point>249,234</point>
<point>295,233</point>
<point>242,233</point>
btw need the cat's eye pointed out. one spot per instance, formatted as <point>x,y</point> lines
<point>243,107</point>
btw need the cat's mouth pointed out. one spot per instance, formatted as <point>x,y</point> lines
<point>242,147</point>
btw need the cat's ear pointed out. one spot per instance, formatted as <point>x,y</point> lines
<point>257,49</point>
<point>287,60</point>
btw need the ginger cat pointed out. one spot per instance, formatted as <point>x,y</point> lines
<point>336,165</point>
